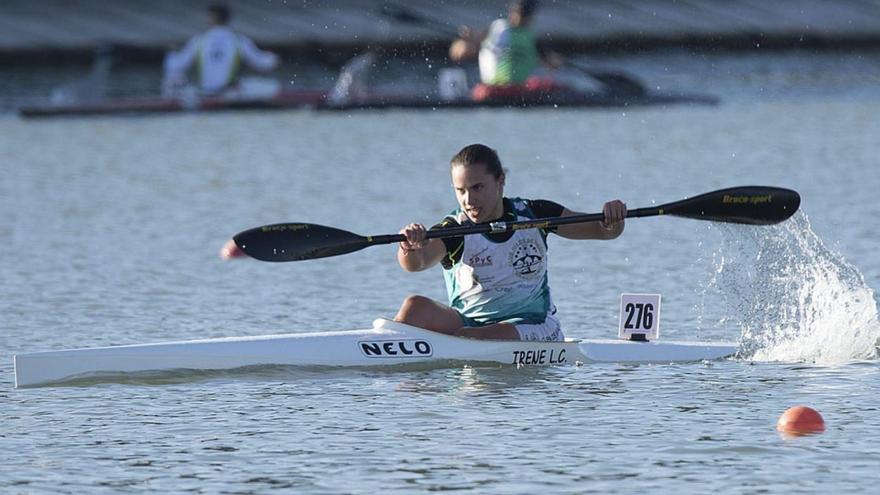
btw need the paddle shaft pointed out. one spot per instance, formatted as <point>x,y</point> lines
<point>499,227</point>
<point>403,14</point>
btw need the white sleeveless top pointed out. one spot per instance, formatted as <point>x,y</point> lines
<point>218,54</point>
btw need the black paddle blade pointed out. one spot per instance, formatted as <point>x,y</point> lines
<point>753,205</point>
<point>297,242</point>
<point>401,14</point>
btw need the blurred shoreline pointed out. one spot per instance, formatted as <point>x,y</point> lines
<point>327,31</point>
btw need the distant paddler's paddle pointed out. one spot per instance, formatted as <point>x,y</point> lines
<point>618,83</point>
<point>408,16</point>
<point>753,205</point>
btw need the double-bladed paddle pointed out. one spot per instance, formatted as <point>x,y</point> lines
<point>753,205</point>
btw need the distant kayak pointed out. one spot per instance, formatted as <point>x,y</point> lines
<point>158,104</point>
<point>480,96</point>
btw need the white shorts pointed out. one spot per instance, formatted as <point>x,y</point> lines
<point>550,330</point>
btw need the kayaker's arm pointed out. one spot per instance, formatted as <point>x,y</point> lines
<point>416,253</point>
<point>550,58</point>
<point>257,59</point>
<point>610,228</point>
<point>467,45</point>
<point>178,62</point>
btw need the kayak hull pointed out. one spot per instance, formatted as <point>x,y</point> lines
<point>318,100</point>
<point>386,344</point>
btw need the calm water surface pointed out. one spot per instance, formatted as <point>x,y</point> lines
<point>111,228</point>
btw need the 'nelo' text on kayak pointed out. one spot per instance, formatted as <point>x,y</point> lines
<point>396,348</point>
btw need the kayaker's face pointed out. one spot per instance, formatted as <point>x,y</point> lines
<point>516,18</point>
<point>478,192</point>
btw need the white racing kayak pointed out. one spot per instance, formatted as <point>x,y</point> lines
<point>388,343</point>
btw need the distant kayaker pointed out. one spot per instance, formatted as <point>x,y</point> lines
<point>496,283</point>
<point>217,54</point>
<point>507,52</point>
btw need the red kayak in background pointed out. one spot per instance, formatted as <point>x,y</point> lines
<point>536,93</point>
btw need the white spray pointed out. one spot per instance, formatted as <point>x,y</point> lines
<point>792,298</point>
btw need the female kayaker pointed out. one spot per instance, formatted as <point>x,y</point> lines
<point>507,52</point>
<point>496,283</point>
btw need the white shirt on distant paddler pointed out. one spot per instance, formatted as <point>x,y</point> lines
<point>217,54</point>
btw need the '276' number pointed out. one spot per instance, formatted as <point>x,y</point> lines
<point>643,314</point>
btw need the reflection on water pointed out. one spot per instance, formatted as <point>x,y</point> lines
<point>485,381</point>
<point>420,377</point>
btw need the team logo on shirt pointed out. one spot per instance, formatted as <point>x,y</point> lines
<point>527,258</point>
<point>480,259</point>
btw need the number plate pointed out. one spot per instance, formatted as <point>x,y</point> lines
<point>639,316</point>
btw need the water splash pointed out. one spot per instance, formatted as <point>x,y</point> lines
<point>793,298</point>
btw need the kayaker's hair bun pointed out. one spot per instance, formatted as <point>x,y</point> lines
<point>479,153</point>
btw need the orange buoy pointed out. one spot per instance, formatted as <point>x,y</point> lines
<point>800,420</point>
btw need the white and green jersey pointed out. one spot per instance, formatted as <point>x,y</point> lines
<point>491,280</point>
<point>217,54</point>
<point>508,55</point>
